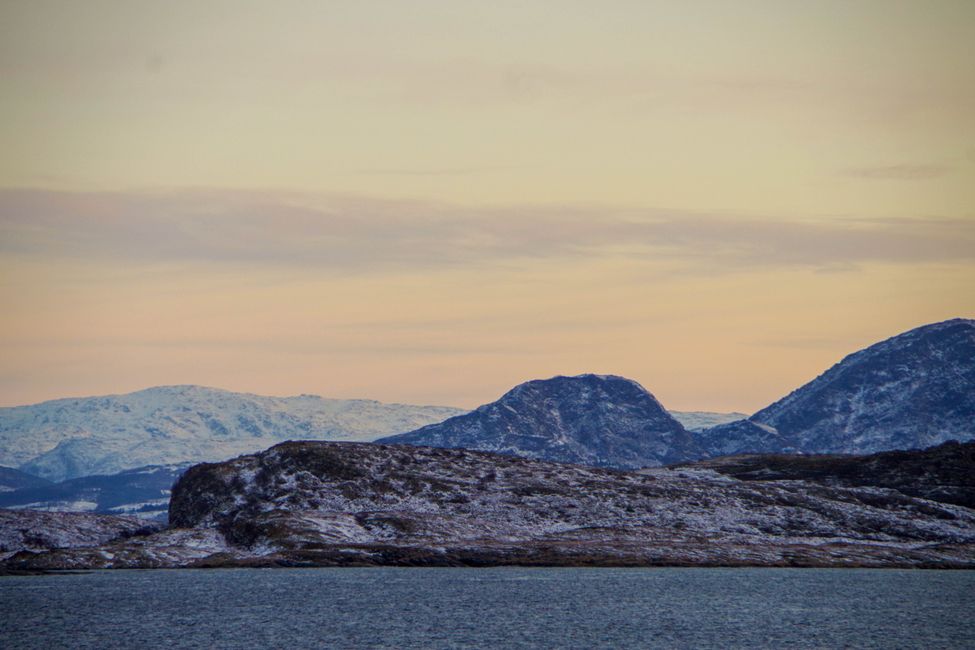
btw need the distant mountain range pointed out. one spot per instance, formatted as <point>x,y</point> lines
<point>599,420</point>
<point>70,438</point>
<point>409,502</point>
<point>911,391</point>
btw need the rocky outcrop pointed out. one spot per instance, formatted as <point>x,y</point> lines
<point>945,473</point>
<point>27,532</point>
<point>912,391</point>
<point>318,503</point>
<point>597,420</point>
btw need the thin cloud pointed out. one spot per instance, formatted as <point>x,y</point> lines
<point>441,171</point>
<point>899,172</point>
<point>356,235</point>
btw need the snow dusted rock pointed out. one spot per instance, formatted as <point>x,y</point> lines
<point>597,420</point>
<point>69,438</point>
<point>328,503</point>
<point>164,549</point>
<point>945,473</point>
<point>26,530</point>
<point>908,392</point>
<point>324,503</point>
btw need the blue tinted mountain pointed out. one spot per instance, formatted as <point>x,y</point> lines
<point>12,479</point>
<point>142,492</point>
<point>598,420</point>
<point>911,391</point>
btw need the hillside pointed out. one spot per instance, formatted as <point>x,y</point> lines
<point>944,473</point>
<point>166,425</point>
<point>12,479</point>
<point>142,492</point>
<point>323,503</point>
<point>911,391</point>
<point>598,420</point>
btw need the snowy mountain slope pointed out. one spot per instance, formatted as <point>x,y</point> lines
<point>700,420</point>
<point>142,492</point>
<point>598,420</point>
<point>69,438</point>
<point>911,391</point>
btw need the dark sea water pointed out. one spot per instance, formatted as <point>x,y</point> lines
<point>490,608</point>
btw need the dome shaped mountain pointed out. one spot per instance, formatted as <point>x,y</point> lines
<point>911,391</point>
<point>598,420</point>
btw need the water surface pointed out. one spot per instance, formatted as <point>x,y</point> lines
<point>490,608</point>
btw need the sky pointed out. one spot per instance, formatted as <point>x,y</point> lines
<point>430,202</point>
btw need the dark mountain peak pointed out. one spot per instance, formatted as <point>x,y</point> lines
<point>601,420</point>
<point>587,389</point>
<point>910,391</point>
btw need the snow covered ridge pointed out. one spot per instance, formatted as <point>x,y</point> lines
<point>333,503</point>
<point>911,391</point>
<point>69,438</point>
<point>598,420</point>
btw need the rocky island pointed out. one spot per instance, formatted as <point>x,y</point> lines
<point>333,503</point>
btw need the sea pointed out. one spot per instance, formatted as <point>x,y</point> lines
<point>490,608</point>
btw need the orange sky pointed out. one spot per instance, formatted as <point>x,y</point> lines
<point>430,202</point>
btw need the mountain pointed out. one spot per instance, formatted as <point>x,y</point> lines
<point>911,391</point>
<point>700,420</point>
<point>944,473</point>
<point>142,492</point>
<point>69,438</point>
<point>340,503</point>
<point>598,420</point>
<point>12,479</point>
